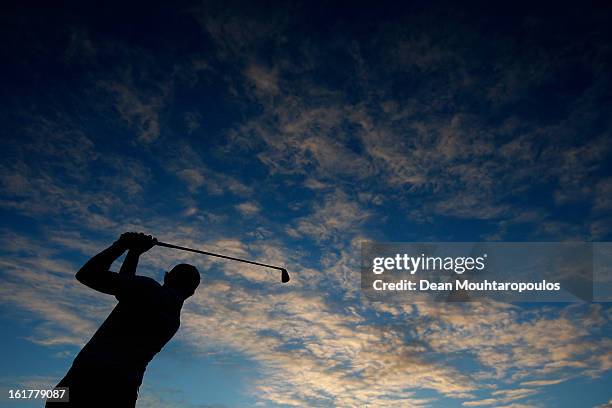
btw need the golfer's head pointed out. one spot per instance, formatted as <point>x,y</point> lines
<point>183,278</point>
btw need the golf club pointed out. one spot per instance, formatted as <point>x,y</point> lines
<point>284,273</point>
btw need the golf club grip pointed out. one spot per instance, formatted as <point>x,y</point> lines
<point>164,244</point>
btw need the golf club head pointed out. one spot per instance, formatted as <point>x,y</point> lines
<point>284,275</point>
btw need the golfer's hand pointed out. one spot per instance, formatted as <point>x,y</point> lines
<point>137,241</point>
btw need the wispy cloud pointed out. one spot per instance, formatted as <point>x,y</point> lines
<point>248,208</point>
<point>142,113</point>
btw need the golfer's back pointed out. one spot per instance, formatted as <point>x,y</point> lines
<point>115,359</point>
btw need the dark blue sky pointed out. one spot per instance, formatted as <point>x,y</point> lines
<point>289,133</point>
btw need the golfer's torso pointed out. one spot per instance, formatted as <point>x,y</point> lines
<point>136,330</point>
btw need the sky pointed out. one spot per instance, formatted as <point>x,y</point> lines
<point>289,133</point>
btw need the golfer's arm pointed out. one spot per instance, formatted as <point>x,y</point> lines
<point>128,268</point>
<point>96,272</point>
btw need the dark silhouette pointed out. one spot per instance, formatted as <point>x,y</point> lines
<point>109,369</point>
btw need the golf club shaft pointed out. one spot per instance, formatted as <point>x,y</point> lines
<point>164,244</point>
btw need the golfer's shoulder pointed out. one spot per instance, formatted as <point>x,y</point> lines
<point>144,282</point>
<point>137,287</point>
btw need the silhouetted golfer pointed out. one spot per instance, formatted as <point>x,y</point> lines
<point>109,369</point>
